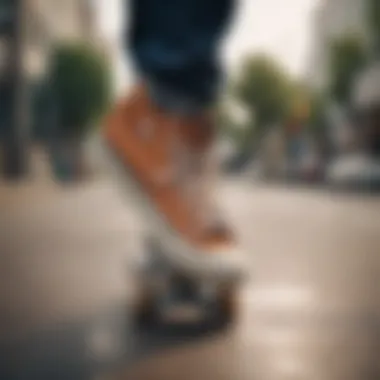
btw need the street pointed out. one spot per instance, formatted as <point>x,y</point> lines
<point>310,311</point>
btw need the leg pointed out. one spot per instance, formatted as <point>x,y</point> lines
<point>164,131</point>
<point>175,44</point>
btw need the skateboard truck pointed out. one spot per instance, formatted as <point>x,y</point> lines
<point>166,296</point>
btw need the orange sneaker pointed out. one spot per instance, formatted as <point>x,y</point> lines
<point>164,159</point>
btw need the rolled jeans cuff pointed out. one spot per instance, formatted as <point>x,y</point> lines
<point>175,102</point>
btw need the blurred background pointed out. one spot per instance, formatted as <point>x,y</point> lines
<point>300,147</point>
<point>301,94</point>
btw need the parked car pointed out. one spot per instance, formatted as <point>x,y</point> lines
<point>354,172</point>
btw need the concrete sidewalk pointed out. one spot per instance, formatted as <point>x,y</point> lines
<point>311,311</point>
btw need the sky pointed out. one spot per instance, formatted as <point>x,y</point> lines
<point>281,28</point>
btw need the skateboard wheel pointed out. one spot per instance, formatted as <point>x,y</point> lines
<point>227,306</point>
<point>145,308</point>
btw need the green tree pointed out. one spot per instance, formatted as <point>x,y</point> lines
<point>373,9</point>
<point>266,90</point>
<point>81,83</point>
<point>348,57</point>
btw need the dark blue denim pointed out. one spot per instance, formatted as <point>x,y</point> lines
<point>175,46</point>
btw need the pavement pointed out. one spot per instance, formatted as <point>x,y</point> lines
<point>310,311</point>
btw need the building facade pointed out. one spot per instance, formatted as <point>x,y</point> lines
<point>333,18</point>
<point>56,20</point>
<point>47,22</point>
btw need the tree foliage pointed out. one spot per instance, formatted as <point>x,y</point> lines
<point>269,94</point>
<point>373,11</point>
<point>81,84</point>
<point>348,57</point>
<point>265,89</point>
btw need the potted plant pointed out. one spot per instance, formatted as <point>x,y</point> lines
<point>80,81</point>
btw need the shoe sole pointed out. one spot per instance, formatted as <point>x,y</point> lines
<point>220,265</point>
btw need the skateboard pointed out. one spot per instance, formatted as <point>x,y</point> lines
<point>168,297</point>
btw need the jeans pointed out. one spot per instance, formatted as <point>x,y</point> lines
<point>175,46</point>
